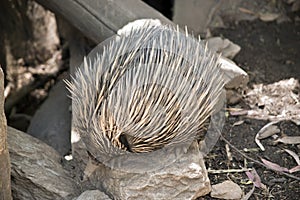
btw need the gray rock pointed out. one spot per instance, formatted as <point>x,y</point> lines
<point>196,15</point>
<point>52,121</point>
<point>224,46</point>
<point>226,190</point>
<point>36,170</point>
<point>186,178</point>
<point>92,195</point>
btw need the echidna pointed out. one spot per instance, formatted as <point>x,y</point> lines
<point>152,87</point>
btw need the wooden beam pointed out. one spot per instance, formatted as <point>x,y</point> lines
<point>100,19</point>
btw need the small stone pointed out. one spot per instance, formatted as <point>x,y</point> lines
<point>226,190</point>
<point>92,195</point>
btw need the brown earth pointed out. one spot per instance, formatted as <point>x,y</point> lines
<point>269,52</point>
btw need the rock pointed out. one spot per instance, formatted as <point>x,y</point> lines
<point>186,178</point>
<point>234,77</point>
<point>52,121</point>
<point>224,46</point>
<point>226,190</point>
<point>36,169</point>
<point>92,195</point>
<point>194,14</point>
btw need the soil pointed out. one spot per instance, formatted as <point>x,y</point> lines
<point>269,53</point>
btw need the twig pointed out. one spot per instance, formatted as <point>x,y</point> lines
<point>256,161</point>
<point>220,171</point>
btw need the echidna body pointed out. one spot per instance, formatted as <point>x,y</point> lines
<point>150,88</point>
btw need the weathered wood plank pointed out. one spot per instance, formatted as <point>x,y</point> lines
<point>100,19</point>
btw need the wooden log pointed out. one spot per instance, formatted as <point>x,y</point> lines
<point>5,191</point>
<point>100,19</point>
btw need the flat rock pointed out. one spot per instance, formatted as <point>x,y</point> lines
<point>194,14</point>
<point>226,190</point>
<point>186,178</point>
<point>224,46</point>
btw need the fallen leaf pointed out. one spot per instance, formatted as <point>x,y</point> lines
<point>280,100</point>
<point>294,155</point>
<point>239,112</point>
<point>274,166</point>
<point>251,149</point>
<point>267,130</point>
<point>247,11</point>
<point>259,144</point>
<point>289,140</point>
<point>267,17</point>
<point>238,123</point>
<point>255,178</point>
<point>295,169</point>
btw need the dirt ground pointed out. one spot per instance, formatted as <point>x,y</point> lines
<point>269,53</point>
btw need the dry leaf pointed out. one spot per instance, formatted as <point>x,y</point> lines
<point>295,169</point>
<point>267,17</point>
<point>296,121</point>
<point>294,155</point>
<point>239,112</point>
<point>274,166</point>
<point>247,11</point>
<point>255,178</point>
<point>280,100</point>
<point>289,140</point>
<point>238,123</point>
<point>259,144</point>
<point>267,131</point>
